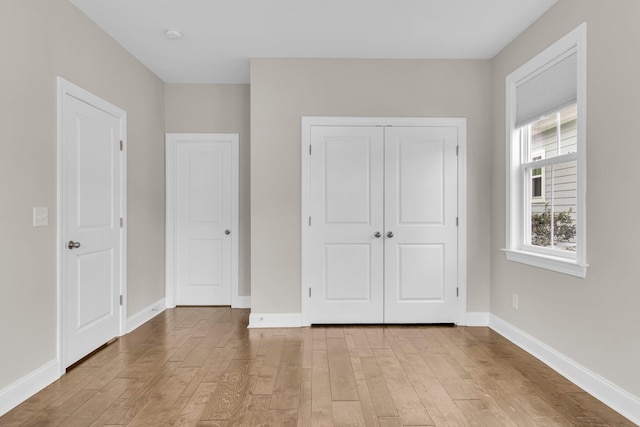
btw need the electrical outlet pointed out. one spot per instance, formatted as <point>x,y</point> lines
<point>514,301</point>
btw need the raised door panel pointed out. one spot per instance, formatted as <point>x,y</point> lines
<point>96,287</point>
<point>95,173</point>
<point>420,181</point>
<point>204,264</point>
<point>420,273</point>
<point>204,187</point>
<point>347,272</point>
<point>347,172</point>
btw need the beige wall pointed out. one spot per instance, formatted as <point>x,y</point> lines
<point>593,321</point>
<point>39,41</point>
<point>223,108</point>
<point>284,90</point>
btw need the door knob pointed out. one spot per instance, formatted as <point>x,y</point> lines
<point>390,234</point>
<point>227,232</point>
<point>377,234</point>
<point>73,245</point>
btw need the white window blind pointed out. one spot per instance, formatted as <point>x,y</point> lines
<point>548,89</point>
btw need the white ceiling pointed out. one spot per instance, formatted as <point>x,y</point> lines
<point>220,36</point>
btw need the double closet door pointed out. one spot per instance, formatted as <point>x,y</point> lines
<point>383,224</point>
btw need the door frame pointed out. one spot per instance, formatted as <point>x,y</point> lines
<point>66,88</point>
<point>307,124</point>
<point>172,140</point>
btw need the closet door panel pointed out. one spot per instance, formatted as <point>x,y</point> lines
<point>346,211</point>
<point>420,224</point>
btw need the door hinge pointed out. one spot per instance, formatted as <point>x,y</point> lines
<point>457,292</point>
<point>121,145</point>
<point>309,220</point>
<point>121,222</point>
<point>457,222</point>
<point>309,291</point>
<point>121,299</point>
<point>457,149</point>
<point>309,149</point>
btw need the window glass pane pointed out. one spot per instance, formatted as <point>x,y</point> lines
<point>568,128</point>
<point>557,200</point>
<point>553,135</point>
<point>540,210</point>
<point>565,193</point>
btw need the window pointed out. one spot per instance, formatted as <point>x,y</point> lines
<point>551,204</point>
<point>537,178</point>
<point>546,100</point>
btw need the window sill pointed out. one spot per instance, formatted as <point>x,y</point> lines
<point>559,264</point>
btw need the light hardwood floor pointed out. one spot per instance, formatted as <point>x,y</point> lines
<point>201,366</point>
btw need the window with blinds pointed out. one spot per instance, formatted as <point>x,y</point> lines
<point>546,123</point>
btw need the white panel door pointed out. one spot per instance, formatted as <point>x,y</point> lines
<point>90,225</point>
<point>346,213</point>
<point>383,232</point>
<point>420,224</point>
<point>203,222</point>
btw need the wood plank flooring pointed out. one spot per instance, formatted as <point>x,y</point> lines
<point>201,366</point>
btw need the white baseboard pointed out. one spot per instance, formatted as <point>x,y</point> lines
<point>275,320</point>
<point>242,302</point>
<point>477,318</point>
<point>16,393</point>
<point>608,393</point>
<point>145,315</point>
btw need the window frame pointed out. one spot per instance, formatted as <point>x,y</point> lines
<point>518,186</point>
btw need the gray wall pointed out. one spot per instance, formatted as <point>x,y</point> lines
<point>223,108</point>
<point>39,41</point>
<point>594,321</point>
<point>284,90</point>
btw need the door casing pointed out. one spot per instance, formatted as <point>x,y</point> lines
<point>172,139</point>
<point>66,88</point>
<point>307,124</point>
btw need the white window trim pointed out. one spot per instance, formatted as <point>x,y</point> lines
<point>515,249</point>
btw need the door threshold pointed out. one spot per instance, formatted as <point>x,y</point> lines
<point>342,325</point>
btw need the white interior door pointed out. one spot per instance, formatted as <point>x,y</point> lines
<point>383,234</point>
<point>346,210</point>
<point>205,226</point>
<point>90,224</point>
<point>420,224</point>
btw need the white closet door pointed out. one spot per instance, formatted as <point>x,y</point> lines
<point>346,213</point>
<point>420,224</point>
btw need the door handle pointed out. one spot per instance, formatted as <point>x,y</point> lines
<point>390,234</point>
<point>227,232</point>
<point>73,245</point>
<point>377,234</point>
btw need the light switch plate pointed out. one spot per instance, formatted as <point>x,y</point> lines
<point>40,217</point>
